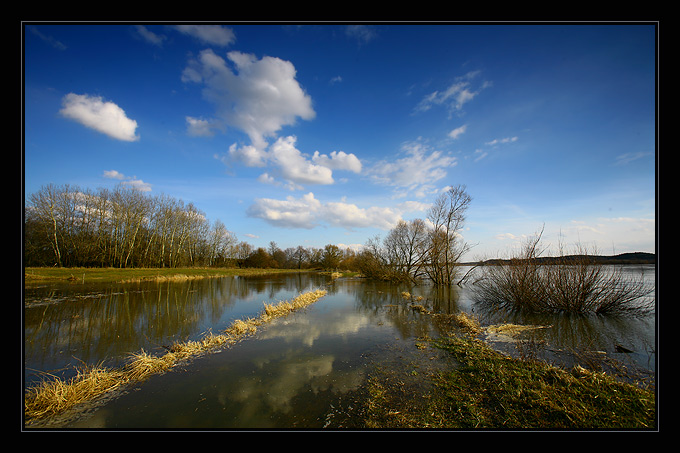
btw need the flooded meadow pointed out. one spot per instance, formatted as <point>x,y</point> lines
<point>306,370</point>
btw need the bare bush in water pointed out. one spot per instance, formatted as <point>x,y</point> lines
<point>567,284</point>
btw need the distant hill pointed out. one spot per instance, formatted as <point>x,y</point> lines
<point>622,258</point>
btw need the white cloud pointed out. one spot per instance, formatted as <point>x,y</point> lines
<point>308,212</point>
<point>624,159</point>
<point>457,132</point>
<point>288,213</point>
<point>455,96</point>
<point>294,167</point>
<point>348,215</point>
<point>138,184</point>
<point>266,179</point>
<point>198,127</point>
<point>248,155</point>
<point>362,33</point>
<point>417,171</point>
<point>104,117</point>
<point>113,174</point>
<point>338,160</point>
<point>128,181</point>
<point>209,34</point>
<point>480,154</point>
<point>149,36</point>
<point>290,164</point>
<point>502,140</point>
<point>259,97</point>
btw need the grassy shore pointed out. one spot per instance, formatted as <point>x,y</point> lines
<point>491,390</point>
<point>38,275</point>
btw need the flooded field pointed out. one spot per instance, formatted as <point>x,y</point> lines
<point>306,370</point>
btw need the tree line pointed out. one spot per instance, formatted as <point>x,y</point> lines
<point>68,226</point>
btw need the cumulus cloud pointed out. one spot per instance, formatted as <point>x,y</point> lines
<point>258,97</point>
<point>417,171</point>
<point>348,215</point>
<point>287,162</point>
<point>308,212</point>
<point>294,167</point>
<point>248,155</point>
<point>338,160</point>
<point>210,34</point>
<point>288,213</point>
<point>95,113</point>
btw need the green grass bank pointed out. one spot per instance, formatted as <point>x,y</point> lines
<point>38,275</point>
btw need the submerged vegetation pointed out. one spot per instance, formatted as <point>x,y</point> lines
<point>487,389</point>
<point>578,285</point>
<point>55,396</point>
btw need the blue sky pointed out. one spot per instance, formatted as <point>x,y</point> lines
<point>330,133</point>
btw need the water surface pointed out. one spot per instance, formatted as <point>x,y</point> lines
<point>306,370</point>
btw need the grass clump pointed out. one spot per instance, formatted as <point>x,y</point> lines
<point>54,396</point>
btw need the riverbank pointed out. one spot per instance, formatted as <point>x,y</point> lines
<point>39,275</point>
<point>490,390</point>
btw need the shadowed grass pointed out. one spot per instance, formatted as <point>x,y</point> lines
<point>54,396</point>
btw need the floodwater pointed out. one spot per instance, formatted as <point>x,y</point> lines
<point>306,370</point>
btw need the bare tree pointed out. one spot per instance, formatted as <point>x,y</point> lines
<point>447,216</point>
<point>406,248</point>
<point>43,208</point>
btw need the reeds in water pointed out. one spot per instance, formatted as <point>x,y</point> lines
<point>575,284</point>
<point>54,396</point>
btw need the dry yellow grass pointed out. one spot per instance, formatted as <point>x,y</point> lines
<point>56,395</point>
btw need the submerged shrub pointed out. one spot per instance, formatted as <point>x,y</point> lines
<point>569,284</point>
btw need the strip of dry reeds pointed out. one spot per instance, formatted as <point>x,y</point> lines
<point>54,396</point>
